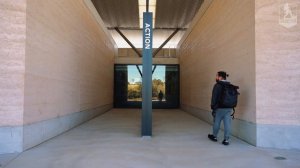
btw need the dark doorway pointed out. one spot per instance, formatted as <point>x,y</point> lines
<point>128,86</point>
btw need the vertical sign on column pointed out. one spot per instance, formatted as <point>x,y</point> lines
<point>147,75</point>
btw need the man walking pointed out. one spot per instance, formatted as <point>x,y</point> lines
<point>219,112</point>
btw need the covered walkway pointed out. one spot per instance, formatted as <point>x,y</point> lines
<point>179,140</point>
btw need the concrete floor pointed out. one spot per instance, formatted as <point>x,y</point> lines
<point>179,141</point>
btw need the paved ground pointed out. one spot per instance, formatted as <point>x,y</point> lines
<point>179,141</point>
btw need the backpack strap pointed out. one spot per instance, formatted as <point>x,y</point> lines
<point>232,115</point>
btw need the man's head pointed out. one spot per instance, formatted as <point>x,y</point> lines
<point>221,75</point>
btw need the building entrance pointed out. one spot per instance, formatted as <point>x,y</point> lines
<point>128,86</point>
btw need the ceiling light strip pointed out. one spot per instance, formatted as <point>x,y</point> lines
<point>142,9</point>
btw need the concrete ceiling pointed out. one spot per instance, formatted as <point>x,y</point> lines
<point>124,14</point>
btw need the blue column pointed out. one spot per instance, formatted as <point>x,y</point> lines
<point>147,75</point>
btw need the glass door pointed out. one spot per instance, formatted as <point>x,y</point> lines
<point>128,86</point>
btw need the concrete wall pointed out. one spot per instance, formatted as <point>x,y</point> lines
<point>68,75</point>
<point>12,67</point>
<point>277,76</point>
<point>222,39</point>
<point>128,56</point>
<point>162,61</point>
<point>12,61</point>
<point>245,39</point>
<point>69,67</point>
<point>163,53</point>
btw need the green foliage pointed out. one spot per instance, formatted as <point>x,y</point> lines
<point>135,90</point>
<point>157,85</point>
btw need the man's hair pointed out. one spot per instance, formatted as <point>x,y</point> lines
<point>223,74</point>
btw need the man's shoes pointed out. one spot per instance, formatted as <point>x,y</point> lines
<point>225,142</point>
<point>212,137</point>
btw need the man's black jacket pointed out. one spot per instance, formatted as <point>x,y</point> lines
<point>216,94</point>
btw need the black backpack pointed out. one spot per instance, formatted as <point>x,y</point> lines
<point>229,97</point>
